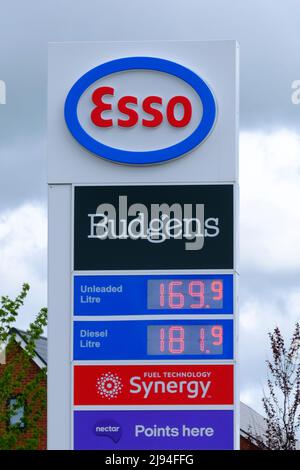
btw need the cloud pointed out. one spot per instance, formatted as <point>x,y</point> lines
<point>23,172</point>
<point>23,253</point>
<point>267,32</point>
<point>270,249</point>
<point>270,198</point>
<point>258,317</point>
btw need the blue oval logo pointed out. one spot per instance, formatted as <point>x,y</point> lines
<point>140,157</point>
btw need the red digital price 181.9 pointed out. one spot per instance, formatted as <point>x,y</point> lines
<point>185,340</point>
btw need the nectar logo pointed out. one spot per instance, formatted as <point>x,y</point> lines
<point>109,385</point>
<point>108,428</point>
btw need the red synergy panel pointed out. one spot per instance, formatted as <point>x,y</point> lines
<point>153,385</point>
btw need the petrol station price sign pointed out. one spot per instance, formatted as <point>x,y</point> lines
<point>153,339</point>
<point>153,294</point>
<point>143,253</point>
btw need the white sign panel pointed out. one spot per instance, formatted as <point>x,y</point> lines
<point>171,70</point>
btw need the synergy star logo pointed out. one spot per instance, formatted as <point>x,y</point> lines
<point>109,385</point>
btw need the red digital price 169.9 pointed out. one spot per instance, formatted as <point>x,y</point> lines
<point>191,294</point>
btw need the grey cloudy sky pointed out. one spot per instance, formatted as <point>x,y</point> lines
<point>268,33</point>
<point>266,29</point>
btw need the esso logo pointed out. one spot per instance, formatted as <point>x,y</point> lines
<point>132,115</point>
<point>140,110</point>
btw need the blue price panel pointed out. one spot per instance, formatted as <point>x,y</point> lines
<point>153,294</point>
<point>153,339</point>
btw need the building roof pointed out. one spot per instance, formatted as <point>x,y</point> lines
<point>40,357</point>
<point>252,424</point>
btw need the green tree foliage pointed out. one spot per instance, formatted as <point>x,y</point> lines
<point>30,396</point>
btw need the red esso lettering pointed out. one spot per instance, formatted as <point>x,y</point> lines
<point>128,107</point>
